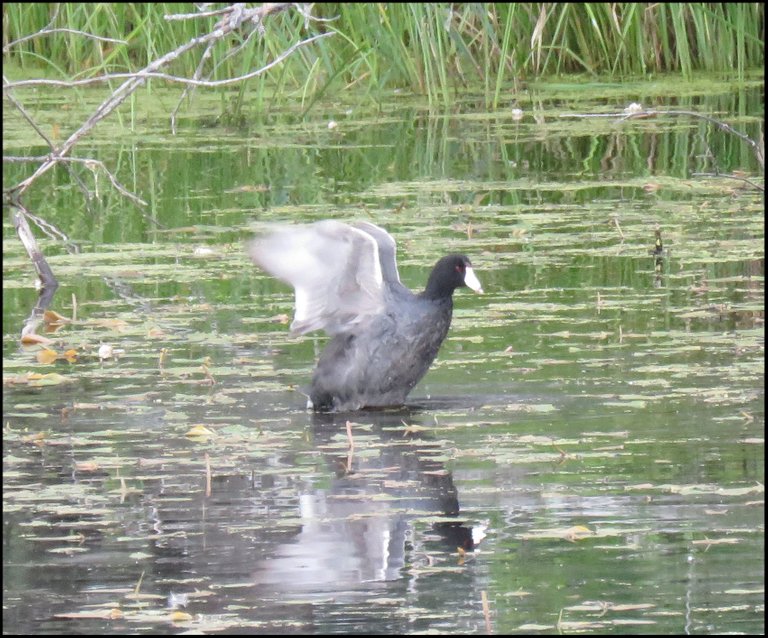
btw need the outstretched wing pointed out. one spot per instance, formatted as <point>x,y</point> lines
<point>334,268</point>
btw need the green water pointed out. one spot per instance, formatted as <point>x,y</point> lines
<point>597,416</point>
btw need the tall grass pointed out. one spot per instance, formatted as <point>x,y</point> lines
<point>425,48</point>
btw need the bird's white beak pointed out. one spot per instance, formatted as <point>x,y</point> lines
<point>471,280</point>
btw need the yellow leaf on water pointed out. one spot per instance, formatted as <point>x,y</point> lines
<point>118,325</point>
<point>46,356</point>
<point>414,428</point>
<point>87,466</point>
<point>572,534</point>
<point>180,616</point>
<point>199,431</point>
<point>54,378</point>
<point>577,532</point>
<point>32,339</point>
<point>105,614</point>
<point>51,316</point>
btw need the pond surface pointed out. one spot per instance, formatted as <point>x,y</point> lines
<point>586,454</point>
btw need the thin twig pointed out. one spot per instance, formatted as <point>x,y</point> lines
<point>201,14</point>
<point>49,229</point>
<point>89,163</point>
<point>140,76</point>
<point>726,176</point>
<point>224,27</point>
<point>7,47</point>
<point>618,227</point>
<point>240,78</point>
<point>486,612</point>
<point>718,123</point>
<point>207,475</point>
<point>351,452</point>
<point>12,99</point>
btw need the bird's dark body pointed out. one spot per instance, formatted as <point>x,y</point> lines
<point>381,369</point>
<point>383,337</point>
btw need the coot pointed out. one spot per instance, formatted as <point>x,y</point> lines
<point>383,336</point>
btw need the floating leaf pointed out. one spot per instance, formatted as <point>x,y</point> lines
<point>199,431</point>
<point>33,339</point>
<point>54,378</point>
<point>572,534</point>
<point>106,614</point>
<point>119,325</point>
<point>87,466</point>
<point>51,316</point>
<point>181,616</point>
<point>47,356</point>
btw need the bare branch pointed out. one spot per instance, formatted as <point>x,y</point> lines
<point>39,131</point>
<point>237,17</point>
<point>738,178</point>
<point>231,21</point>
<point>202,14</point>
<point>7,47</point>
<point>50,230</point>
<point>48,282</point>
<point>142,75</point>
<point>90,164</point>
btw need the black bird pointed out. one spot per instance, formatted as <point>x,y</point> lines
<point>383,336</point>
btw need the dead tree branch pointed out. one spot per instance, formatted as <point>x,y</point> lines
<point>234,18</point>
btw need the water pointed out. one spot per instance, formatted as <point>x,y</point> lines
<point>587,452</point>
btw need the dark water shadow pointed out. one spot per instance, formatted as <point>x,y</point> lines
<point>313,517</point>
<point>361,527</point>
<point>418,406</point>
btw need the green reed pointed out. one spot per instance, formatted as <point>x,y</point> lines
<point>423,48</point>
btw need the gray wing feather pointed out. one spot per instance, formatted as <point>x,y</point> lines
<point>334,268</point>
